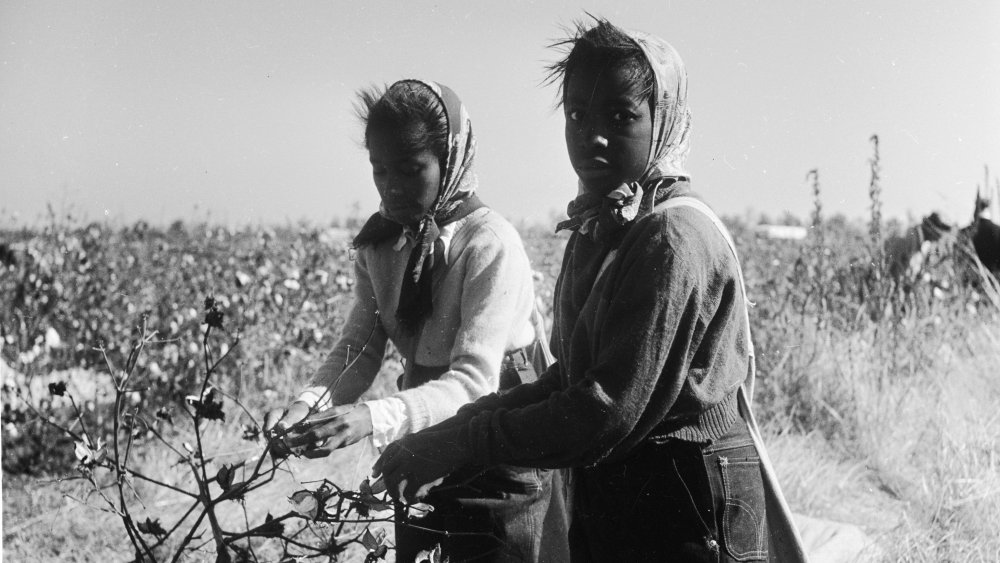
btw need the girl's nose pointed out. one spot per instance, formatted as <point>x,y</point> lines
<point>394,187</point>
<point>599,140</point>
<point>595,138</point>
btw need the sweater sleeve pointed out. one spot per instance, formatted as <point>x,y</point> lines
<point>519,396</point>
<point>642,342</point>
<point>362,334</point>
<point>496,294</point>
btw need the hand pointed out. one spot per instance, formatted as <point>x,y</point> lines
<point>413,465</point>
<point>279,421</point>
<point>319,434</point>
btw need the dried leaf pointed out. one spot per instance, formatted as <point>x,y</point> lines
<point>225,477</point>
<point>306,503</point>
<point>89,455</point>
<point>152,527</point>
<point>371,501</point>
<point>271,528</point>
<point>375,544</point>
<point>251,432</point>
<point>57,388</point>
<point>207,407</point>
<point>163,413</point>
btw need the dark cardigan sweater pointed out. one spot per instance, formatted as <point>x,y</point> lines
<point>655,349</point>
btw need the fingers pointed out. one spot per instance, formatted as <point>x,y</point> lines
<point>387,462</point>
<point>424,489</point>
<point>412,489</point>
<point>315,434</point>
<point>318,452</point>
<point>328,414</point>
<point>295,413</point>
<point>392,467</point>
<point>280,420</point>
<point>271,418</point>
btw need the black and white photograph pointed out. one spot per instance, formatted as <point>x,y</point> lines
<point>500,282</point>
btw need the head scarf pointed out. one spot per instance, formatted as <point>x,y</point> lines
<point>455,199</point>
<point>598,216</point>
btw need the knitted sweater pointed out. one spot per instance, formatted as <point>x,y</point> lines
<point>482,302</point>
<point>653,349</point>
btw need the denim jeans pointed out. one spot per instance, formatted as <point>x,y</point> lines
<point>673,501</point>
<point>496,514</point>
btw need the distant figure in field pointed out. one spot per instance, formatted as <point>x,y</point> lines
<point>984,235</point>
<point>906,254</point>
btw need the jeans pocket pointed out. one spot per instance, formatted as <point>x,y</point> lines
<point>744,520</point>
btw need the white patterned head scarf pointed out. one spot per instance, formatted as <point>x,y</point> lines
<point>671,116</point>
<point>458,180</point>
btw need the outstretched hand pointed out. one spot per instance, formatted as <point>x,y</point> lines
<point>318,434</point>
<point>413,465</point>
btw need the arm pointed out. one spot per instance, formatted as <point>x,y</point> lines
<point>332,384</point>
<point>650,303</point>
<point>669,282</point>
<point>668,351</point>
<point>522,395</point>
<point>496,294</point>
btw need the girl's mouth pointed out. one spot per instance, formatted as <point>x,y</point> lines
<point>596,167</point>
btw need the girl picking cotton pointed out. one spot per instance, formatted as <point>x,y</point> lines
<point>447,281</point>
<point>647,401</point>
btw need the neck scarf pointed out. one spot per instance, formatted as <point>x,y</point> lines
<point>601,217</point>
<point>455,199</point>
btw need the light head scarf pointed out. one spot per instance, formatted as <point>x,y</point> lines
<point>670,145</point>
<point>458,181</point>
<point>455,199</point>
<point>668,149</point>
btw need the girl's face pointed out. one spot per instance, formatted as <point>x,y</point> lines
<point>407,181</point>
<point>608,128</point>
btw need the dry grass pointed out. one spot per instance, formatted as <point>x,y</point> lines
<point>892,426</point>
<point>48,519</point>
<point>42,522</point>
<point>913,454</point>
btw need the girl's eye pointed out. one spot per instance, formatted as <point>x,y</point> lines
<point>574,115</point>
<point>623,116</point>
<point>411,169</point>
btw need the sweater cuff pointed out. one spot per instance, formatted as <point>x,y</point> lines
<point>390,420</point>
<point>416,409</point>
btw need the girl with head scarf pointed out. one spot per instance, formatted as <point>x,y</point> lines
<point>650,335</point>
<point>447,280</point>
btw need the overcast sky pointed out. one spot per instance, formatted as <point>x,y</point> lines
<point>242,111</point>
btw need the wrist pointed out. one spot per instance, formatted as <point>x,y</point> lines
<point>363,414</point>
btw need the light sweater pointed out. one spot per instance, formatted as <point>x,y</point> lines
<point>482,302</point>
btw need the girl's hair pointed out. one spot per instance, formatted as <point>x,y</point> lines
<point>410,111</point>
<point>608,45</point>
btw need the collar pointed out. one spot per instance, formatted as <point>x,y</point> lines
<point>448,233</point>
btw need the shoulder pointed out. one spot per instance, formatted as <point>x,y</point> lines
<point>372,251</point>
<point>686,236</point>
<point>489,231</point>
<point>680,227</point>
